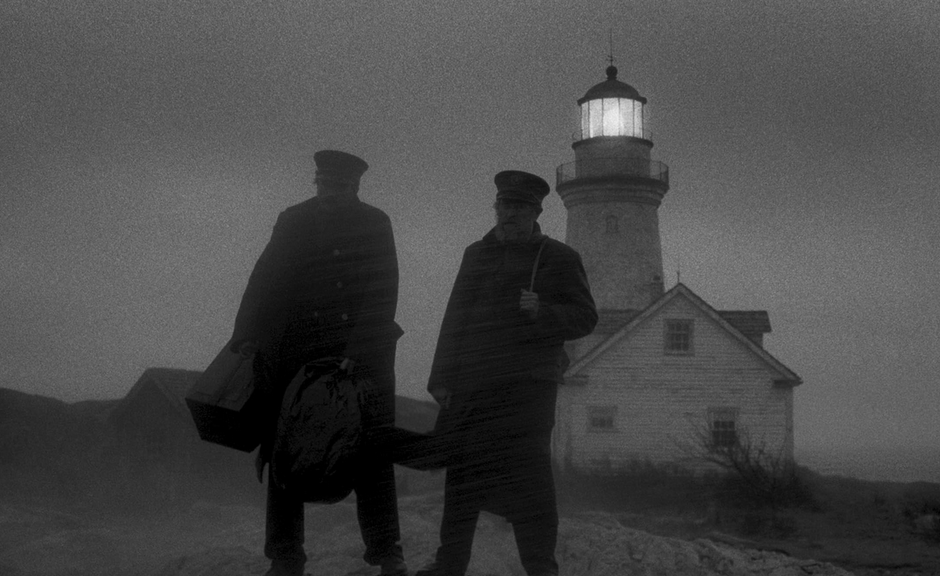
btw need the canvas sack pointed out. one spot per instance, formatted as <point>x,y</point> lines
<point>319,438</point>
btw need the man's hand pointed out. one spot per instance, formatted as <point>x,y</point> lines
<point>259,467</point>
<point>442,397</point>
<point>244,347</point>
<point>529,303</point>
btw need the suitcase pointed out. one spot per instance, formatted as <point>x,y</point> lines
<point>225,402</point>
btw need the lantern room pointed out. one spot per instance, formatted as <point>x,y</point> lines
<point>612,108</point>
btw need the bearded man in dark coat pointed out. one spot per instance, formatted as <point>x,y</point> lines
<point>518,297</point>
<point>326,285</point>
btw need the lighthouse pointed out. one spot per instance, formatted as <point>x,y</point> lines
<point>661,367</point>
<point>612,192</point>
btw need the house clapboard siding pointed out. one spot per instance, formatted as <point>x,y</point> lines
<point>650,404</point>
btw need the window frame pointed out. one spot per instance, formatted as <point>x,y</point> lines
<point>668,349</point>
<point>607,412</point>
<point>611,224</point>
<point>723,437</point>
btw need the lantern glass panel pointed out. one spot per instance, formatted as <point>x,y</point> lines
<point>585,121</point>
<point>637,119</point>
<point>612,117</point>
<point>596,118</point>
<point>613,121</point>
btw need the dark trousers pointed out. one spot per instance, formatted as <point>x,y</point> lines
<point>499,461</point>
<point>495,446</point>
<point>513,481</point>
<point>376,509</point>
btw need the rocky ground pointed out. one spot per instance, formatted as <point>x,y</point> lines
<point>214,540</point>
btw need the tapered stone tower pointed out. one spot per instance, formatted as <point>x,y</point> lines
<point>612,192</point>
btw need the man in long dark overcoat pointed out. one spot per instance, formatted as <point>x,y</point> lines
<point>326,285</point>
<point>518,297</point>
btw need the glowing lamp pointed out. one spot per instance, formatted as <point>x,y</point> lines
<point>612,108</point>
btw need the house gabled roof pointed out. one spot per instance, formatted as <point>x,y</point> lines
<point>610,321</point>
<point>172,383</point>
<point>749,322</point>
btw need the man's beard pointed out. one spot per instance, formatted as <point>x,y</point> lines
<point>512,233</point>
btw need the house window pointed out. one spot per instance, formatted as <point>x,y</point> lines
<point>602,418</point>
<point>722,424</point>
<point>613,225</point>
<point>678,337</point>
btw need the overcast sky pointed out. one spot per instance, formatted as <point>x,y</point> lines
<point>146,148</point>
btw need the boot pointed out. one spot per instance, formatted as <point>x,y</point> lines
<point>436,569</point>
<point>286,568</point>
<point>394,567</point>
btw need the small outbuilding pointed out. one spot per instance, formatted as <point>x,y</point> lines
<point>157,449</point>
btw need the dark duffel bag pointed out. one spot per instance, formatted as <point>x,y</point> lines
<point>225,401</point>
<point>317,450</point>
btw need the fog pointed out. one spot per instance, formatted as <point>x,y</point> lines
<point>147,149</point>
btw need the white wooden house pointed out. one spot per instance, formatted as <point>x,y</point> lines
<point>647,382</point>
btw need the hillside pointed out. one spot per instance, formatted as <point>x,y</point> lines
<point>76,456</point>
<point>50,449</point>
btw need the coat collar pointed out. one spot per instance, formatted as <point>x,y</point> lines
<point>338,200</point>
<point>535,238</point>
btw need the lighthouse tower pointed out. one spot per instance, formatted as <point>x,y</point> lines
<point>612,192</point>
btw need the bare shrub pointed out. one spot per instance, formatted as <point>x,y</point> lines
<point>921,508</point>
<point>638,486</point>
<point>762,476</point>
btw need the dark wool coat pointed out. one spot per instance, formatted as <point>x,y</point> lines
<point>490,355</point>
<point>325,285</point>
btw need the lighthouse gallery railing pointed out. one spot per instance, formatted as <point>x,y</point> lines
<point>612,167</point>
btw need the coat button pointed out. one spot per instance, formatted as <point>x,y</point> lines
<point>336,252</point>
<point>345,317</point>
<point>339,284</point>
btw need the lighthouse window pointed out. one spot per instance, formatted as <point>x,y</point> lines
<point>595,118</point>
<point>678,339</point>
<point>611,117</point>
<point>612,225</point>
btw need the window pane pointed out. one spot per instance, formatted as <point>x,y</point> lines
<point>611,117</point>
<point>602,418</point>
<point>585,122</point>
<point>612,225</point>
<point>637,120</point>
<point>626,116</point>
<point>596,119</point>
<point>678,336</point>
<point>612,123</point>
<point>722,423</point>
